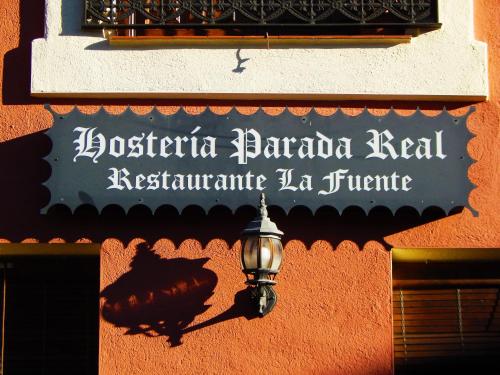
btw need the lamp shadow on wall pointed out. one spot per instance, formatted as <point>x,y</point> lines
<point>158,297</point>
<point>162,297</point>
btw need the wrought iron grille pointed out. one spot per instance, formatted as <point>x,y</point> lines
<point>328,16</point>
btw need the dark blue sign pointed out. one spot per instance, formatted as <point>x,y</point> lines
<point>209,159</point>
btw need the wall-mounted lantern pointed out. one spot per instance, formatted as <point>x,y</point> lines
<point>261,255</point>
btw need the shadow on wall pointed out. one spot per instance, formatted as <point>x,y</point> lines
<point>17,62</point>
<point>161,297</point>
<point>72,14</point>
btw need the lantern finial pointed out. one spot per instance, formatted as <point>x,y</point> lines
<point>263,207</point>
<point>262,224</point>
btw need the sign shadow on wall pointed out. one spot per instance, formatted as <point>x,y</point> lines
<point>21,186</point>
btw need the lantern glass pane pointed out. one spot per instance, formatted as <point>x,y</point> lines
<point>266,253</point>
<point>249,256</point>
<point>277,255</point>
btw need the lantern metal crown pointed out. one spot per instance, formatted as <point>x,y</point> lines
<point>261,256</point>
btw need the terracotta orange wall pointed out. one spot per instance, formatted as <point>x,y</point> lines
<point>334,309</point>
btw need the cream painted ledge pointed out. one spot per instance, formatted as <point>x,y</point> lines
<point>258,97</point>
<point>446,64</point>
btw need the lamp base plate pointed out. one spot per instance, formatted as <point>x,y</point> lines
<point>265,298</point>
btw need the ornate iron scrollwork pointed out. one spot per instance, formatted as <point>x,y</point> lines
<point>260,13</point>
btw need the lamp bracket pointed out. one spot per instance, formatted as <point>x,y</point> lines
<point>265,298</point>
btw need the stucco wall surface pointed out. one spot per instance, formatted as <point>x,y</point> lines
<point>333,314</point>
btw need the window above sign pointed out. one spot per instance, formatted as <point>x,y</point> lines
<point>258,17</point>
<point>446,63</point>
